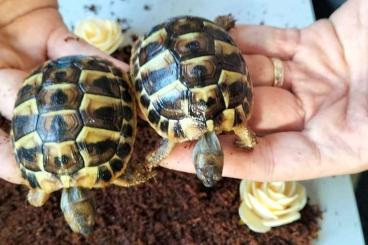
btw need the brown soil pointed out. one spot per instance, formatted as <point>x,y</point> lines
<point>172,208</point>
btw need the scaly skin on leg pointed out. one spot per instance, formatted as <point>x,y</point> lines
<point>225,21</point>
<point>247,138</point>
<point>37,197</point>
<point>135,174</point>
<point>154,158</point>
<point>79,209</point>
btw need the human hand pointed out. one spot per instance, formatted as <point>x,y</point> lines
<point>25,43</point>
<point>316,124</point>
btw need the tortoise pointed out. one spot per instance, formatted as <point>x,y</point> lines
<point>73,128</point>
<point>191,83</point>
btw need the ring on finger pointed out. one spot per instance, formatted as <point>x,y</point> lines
<point>278,71</point>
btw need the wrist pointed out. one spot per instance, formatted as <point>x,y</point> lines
<point>11,9</point>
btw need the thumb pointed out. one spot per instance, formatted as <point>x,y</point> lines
<point>9,170</point>
<point>63,43</point>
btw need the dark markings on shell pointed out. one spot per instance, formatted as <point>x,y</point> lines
<point>149,51</point>
<point>164,126</point>
<point>96,65</point>
<point>102,86</point>
<point>59,98</point>
<point>182,25</point>
<point>202,74</point>
<point>246,108</point>
<point>123,150</point>
<point>233,62</point>
<point>99,152</point>
<point>219,34</point>
<point>100,148</point>
<point>116,165</point>
<point>123,83</point>
<point>23,125</point>
<point>178,130</point>
<point>23,173</point>
<point>145,101</point>
<point>207,109</point>
<point>237,118</point>
<point>116,71</point>
<point>153,116</point>
<point>217,121</point>
<point>59,128</point>
<point>201,45</point>
<point>155,80</point>
<point>248,93</point>
<point>138,85</point>
<point>49,99</point>
<point>170,105</point>
<point>32,180</point>
<point>61,161</point>
<point>126,96</point>
<point>67,162</point>
<point>105,113</point>
<point>58,75</point>
<point>236,92</point>
<point>103,117</point>
<point>25,93</point>
<point>127,130</point>
<point>27,157</point>
<point>127,113</point>
<point>104,174</point>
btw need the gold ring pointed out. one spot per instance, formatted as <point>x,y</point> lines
<point>278,72</point>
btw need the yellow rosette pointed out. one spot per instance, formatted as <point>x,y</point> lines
<point>269,204</point>
<point>103,34</point>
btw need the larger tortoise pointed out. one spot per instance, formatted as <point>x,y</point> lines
<point>192,83</point>
<point>73,128</point>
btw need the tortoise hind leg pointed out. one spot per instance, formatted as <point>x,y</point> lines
<point>225,21</point>
<point>154,158</point>
<point>79,209</point>
<point>37,197</point>
<point>247,138</point>
<point>134,174</point>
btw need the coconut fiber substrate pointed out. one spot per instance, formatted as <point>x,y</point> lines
<point>172,208</point>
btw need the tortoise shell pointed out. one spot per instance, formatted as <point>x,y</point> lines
<point>74,124</point>
<point>190,78</point>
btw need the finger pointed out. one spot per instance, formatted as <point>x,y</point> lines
<point>8,167</point>
<point>276,110</point>
<point>261,70</point>
<point>276,157</point>
<point>63,43</point>
<point>11,81</point>
<point>266,40</point>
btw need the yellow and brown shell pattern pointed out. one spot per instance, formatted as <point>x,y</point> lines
<point>190,77</point>
<point>74,124</point>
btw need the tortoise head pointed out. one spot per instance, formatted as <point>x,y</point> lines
<point>208,159</point>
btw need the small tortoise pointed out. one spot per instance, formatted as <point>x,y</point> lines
<point>192,83</point>
<point>73,128</point>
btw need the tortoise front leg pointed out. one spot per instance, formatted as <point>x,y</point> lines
<point>225,21</point>
<point>135,174</point>
<point>154,158</point>
<point>247,138</point>
<point>37,197</point>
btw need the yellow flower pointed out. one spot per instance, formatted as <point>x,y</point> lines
<point>103,34</point>
<point>270,204</point>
